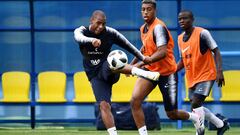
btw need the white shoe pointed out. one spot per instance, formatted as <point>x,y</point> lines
<point>152,75</point>
<point>146,74</point>
<point>199,125</point>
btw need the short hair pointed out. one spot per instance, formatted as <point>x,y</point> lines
<point>98,12</point>
<point>150,2</point>
<point>188,11</point>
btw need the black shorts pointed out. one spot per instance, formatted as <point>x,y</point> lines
<point>168,87</point>
<point>102,83</point>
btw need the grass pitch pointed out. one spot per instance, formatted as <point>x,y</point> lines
<point>92,131</point>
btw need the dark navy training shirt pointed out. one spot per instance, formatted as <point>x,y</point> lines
<point>93,57</point>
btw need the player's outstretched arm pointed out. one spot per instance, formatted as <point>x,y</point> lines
<point>123,42</point>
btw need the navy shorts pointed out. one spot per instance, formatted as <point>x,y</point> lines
<point>103,82</point>
<point>168,87</point>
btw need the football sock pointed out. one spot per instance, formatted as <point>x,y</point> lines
<point>137,71</point>
<point>147,74</point>
<point>112,131</point>
<point>201,114</point>
<point>193,117</point>
<point>212,118</point>
<point>143,130</point>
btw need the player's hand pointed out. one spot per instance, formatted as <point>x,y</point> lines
<point>96,42</point>
<point>220,79</point>
<point>147,60</point>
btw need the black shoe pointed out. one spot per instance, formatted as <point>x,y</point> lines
<point>200,132</point>
<point>222,130</point>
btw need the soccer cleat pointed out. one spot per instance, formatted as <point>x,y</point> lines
<point>200,131</point>
<point>152,75</point>
<point>222,130</point>
<point>199,125</point>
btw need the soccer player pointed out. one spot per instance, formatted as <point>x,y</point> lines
<point>95,42</point>
<point>196,46</point>
<point>158,49</point>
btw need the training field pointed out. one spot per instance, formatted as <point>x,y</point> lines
<point>88,131</point>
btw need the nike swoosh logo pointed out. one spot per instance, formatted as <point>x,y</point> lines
<point>119,112</point>
<point>184,50</point>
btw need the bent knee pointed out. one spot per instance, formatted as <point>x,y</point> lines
<point>105,105</point>
<point>135,102</point>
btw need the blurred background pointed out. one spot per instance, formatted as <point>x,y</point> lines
<point>37,36</point>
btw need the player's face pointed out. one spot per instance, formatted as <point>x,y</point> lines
<point>98,24</point>
<point>148,12</point>
<point>185,20</point>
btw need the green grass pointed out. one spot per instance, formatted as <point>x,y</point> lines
<point>92,131</point>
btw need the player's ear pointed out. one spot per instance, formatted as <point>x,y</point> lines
<point>90,21</point>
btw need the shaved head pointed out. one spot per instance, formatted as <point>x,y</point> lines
<point>98,13</point>
<point>189,13</point>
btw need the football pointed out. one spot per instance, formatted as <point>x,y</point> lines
<point>117,59</point>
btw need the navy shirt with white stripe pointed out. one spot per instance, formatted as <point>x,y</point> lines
<point>94,57</point>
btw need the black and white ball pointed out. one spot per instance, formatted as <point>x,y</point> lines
<point>117,59</point>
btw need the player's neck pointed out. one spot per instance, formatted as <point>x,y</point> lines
<point>150,22</point>
<point>189,31</point>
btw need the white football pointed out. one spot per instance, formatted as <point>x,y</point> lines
<point>117,59</point>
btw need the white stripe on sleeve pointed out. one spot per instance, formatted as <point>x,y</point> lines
<point>211,43</point>
<point>160,34</point>
<point>80,37</point>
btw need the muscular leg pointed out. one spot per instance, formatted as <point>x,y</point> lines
<point>102,91</point>
<point>178,115</point>
<point>208,115</point>
<point>197,101</point>
<point>168,87</point>
<point>106,114</point>
<point>142,88</point>
<point>129,69</point>
<point>198,94</point>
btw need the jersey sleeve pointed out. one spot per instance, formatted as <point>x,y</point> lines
<point>121,41</point>
<point>207,39</point>
<point>161,35</point>
<point>80,37</point>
